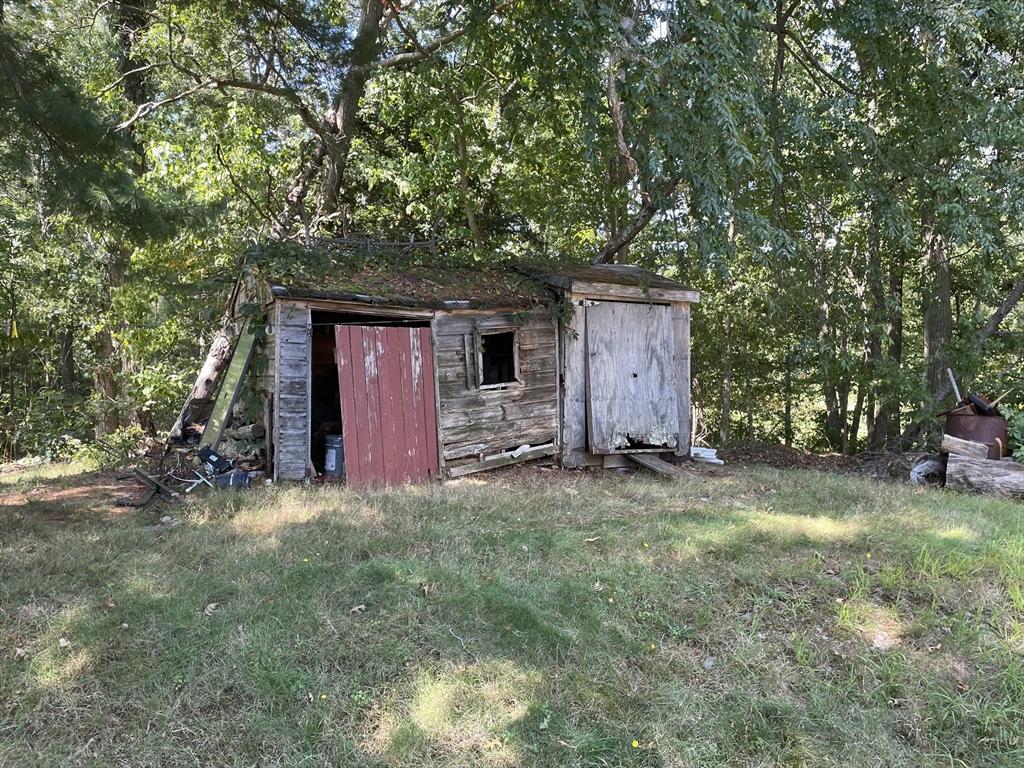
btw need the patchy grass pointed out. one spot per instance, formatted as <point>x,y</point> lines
<point>752,617</point>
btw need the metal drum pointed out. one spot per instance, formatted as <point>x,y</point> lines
<point>990,430</point>
<point>334,456</point>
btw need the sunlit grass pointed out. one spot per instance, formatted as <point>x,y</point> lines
<point>755,617</point>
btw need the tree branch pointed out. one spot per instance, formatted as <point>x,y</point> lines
<point>238,187</point>
<point>636,225</point>
<point>615,108</point>
<point>426,50</point>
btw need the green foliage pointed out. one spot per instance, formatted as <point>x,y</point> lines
<point>808,190</point>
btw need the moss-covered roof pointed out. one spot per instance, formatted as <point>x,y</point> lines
<point>407,276</point>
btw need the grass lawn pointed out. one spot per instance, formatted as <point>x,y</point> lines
<point>747,617</point>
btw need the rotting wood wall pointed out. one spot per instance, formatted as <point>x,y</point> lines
<point>292,350</point>
<point>575,451</point>
<point>475,423</point>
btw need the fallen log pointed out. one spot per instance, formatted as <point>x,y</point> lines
<point>1002,478</point>
<point>962,447</point>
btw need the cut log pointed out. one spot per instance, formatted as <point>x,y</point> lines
<point>962,447</point>
<point>1002,478</point>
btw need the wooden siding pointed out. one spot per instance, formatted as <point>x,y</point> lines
<point>291,391</point>
<point>478,422</point>
<point>386,378</point>
<point>574,387</point>
<point>631,381</point>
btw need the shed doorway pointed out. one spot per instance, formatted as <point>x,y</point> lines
<point>630,378</point>
<point>387,394</point>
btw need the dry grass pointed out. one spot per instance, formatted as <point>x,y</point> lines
<point>754,617</point>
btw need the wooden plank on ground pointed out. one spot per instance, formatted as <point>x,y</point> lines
<point>1002,478</point>
<point>655,464</point>
<point>963,447</point>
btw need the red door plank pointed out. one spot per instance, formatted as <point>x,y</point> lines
<point>386,381</point>
<point>414,424</point>
<point>398,389</point>
<point>427,384</point>
<point>346,387</point>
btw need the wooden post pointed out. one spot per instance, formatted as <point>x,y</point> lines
<point>574,396</point>
<point>681,339</point>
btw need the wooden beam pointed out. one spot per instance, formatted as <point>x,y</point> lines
<point>656,464</point>
<point>962,447</point>
<point>681,351</point>
<point>1002,478</point>
<point>612,292</point>
<point>503,459</point>
<point>230,385</point>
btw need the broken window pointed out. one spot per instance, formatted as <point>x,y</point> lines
<point>498,359</point>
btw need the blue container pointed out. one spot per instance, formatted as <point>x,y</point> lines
<point>334,456</point>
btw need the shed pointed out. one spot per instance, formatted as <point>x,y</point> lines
<point>439,371</point>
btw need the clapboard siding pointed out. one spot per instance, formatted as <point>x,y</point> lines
<point>482,422</point>
<point>291,393</point>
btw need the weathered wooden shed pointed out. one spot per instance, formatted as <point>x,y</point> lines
<point>441,371</point>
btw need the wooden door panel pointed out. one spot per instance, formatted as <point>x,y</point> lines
<point>631,383</point>
<point>389,425</point>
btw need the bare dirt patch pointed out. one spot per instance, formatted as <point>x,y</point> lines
<point>65,498</point>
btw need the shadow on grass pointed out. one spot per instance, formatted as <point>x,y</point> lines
<point>552,623</point>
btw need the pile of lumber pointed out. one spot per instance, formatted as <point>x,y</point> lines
<point>969,469</point>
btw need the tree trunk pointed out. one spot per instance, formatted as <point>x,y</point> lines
<point>886,428</point>
<point>723,423</point>
<point>936,312</point>
<point>748,396</point>
<point>342,115</point>
<point>130,19</point>
<point>788,419</point>
<point>68,368</point>
<point>108,364</point>
<point>778,189</point>
<point>852,433</point>
<point>467,199</point>
<point>218,359</point>
<point>1016,293</point>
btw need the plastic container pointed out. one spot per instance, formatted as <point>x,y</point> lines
<point>334,456</point>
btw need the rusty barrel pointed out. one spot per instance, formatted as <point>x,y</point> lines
<point>990,430</point>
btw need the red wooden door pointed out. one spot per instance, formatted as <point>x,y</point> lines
<point>386,378</point>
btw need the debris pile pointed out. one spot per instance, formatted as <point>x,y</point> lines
<point>974,450</point>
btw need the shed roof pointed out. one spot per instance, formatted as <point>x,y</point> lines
<point>407,278</point>
<point>418,285</point>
